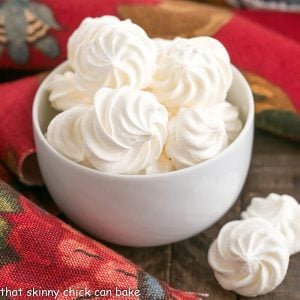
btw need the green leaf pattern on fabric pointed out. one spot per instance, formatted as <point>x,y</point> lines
<point>8,204</point>
<point>25,22</point>
<point>284,123</point>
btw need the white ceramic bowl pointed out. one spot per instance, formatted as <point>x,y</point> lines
<point>146,210</point>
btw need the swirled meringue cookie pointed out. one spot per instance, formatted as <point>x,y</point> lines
<point>191,72</point>
<point>195,135</point>
<point>249,257</point>
<point>230,115</point>
<point>64,93</point>
<point>64,133</point>
<point>125,131</point>
<point>88,29</point>
<point>107,52</point>
<point>162,45</point>
<point>283,212</point>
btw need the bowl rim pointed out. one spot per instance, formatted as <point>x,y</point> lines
<point>39,134</point>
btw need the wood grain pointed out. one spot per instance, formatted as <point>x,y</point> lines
<point>275,168</point>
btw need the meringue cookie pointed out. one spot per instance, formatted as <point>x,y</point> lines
<point>195,135</point>
<point>194,71</point>
<point>249,257</point>
<point>64,133</point>
<point>64,93</point>
<point>107,52</point>
<point>87,30</point>
<point>230,115</point>
<point>162,45</point>
<point>283,212</point>
<point>162,165</point>
<point>125,131</point>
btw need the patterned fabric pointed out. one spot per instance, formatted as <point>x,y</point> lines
<point>284,5</point>
<point>43,257</point>
<point>30,27</point>
<point>16,137</point>
<point>277,22</point>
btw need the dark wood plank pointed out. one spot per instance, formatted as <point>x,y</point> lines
<point>275,167</point>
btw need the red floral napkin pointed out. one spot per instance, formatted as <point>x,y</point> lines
<point>43,257</point>
<point>17,150</point>
<point>285,24</point>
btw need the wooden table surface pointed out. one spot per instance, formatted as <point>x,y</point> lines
<point>275,168</point>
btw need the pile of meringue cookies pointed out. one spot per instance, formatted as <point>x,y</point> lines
<point>251,256</point>
<point>130,104</point>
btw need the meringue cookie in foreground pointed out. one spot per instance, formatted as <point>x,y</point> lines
<point>195,135</point>
<point>64,133</point>
<point>125,131</point>
<point>249,257</point>
<point>230,115</point>
<point>64,93</point>
<point>194,71</point>
<point>283,212</point>
<point>107,52</point>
